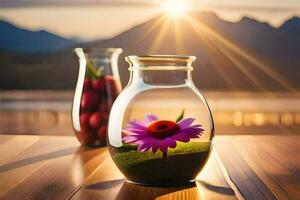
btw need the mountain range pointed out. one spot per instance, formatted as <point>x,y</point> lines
<point>247,55</point>
<point>18,39</point>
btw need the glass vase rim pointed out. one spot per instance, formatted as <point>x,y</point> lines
<point>99,49</point>
<point>164,57</point>
<point>160,62</point>
<point>97,53</point>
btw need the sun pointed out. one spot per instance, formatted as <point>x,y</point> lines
<point>174,7</point>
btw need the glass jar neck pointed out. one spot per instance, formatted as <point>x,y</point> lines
<point>160,70</point>
<point>161,77</point>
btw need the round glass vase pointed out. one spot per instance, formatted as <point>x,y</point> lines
<point>98,85</point>
<point>160,127</point>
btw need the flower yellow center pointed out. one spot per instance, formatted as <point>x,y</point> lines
<point>162,129</point>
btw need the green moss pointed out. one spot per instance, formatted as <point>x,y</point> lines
<point>190,147</point>
<point>128,154</point>
<point>182,163</point>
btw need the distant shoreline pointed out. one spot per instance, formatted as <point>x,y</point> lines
<point>218,101</point>
<point>65,95</point>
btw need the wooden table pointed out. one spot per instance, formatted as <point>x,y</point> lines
<point>240,167</point>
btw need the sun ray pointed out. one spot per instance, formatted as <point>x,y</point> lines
<point>156,24</point>
<point>215,59</point>
<point>159,37</point>
<point>222,65</point>
<point>215,56</point>
<point>242,68</point>
<point>257,63</point>
<point>178,37</point>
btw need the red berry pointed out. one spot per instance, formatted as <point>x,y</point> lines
<point>87,84</point>
<point>98,84</point>
<point>95,120</point>
<point>103,107</point>
<point>113,87</point>
<point>105,117</point>
<point>84,119</point>
<point>102,133</point>
<point>89,100</point>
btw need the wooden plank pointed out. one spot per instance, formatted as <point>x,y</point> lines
<point>29,160</point>
<point>11,146</point>
<point>241,174</point>
<point>275,160</point>
<point>108,183</point>
<point>5,138</point>
<point>52,169</point>
<point>213,183</point>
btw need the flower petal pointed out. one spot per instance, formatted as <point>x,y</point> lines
<point>162,146</point>
<point>136,124</point>
<point>133,139</point>
<point>191,131</point>
<point>170,142</point>
<point>144,147</point>
<point>154,142</point>
<point>185,123</point>
<point>191,135</point>
<point>196,126</point>
<point>149,118</point>
<point>131,131</point>
<point>181,137</point>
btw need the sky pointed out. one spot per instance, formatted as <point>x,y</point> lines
<point>98,19</point>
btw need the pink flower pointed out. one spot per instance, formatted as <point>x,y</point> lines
<point>153,134</point>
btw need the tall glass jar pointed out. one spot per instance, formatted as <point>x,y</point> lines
<point>98,85</point>
<point>160,127</point>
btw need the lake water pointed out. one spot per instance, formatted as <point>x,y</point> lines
<point>48,112</point>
